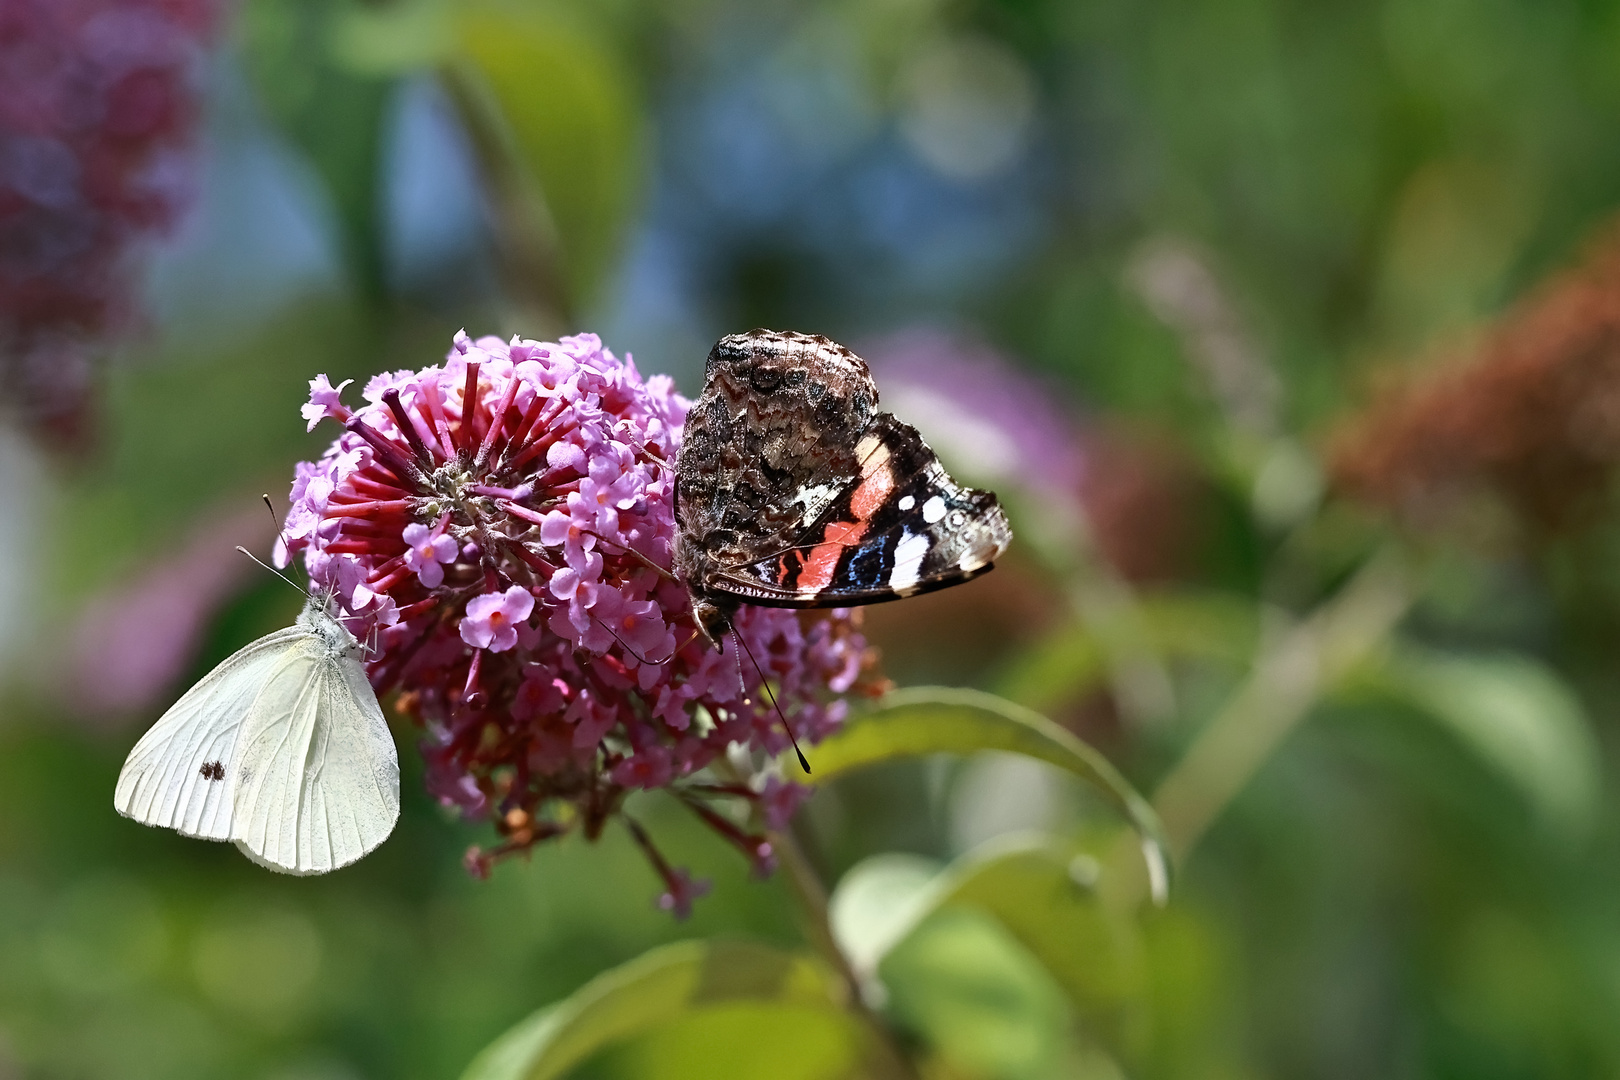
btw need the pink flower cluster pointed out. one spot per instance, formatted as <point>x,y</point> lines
<point>500,525</point>
<point>97,108</point>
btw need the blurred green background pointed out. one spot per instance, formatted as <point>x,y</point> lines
<point>1197,233</point>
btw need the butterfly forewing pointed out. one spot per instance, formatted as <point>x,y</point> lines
<point>793,491</point>
<point>282,748</point>
<point>319,776</point>
<point>181,774</point>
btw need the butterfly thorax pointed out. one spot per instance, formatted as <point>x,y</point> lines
<point>335,638</point>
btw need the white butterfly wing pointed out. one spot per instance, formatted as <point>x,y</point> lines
<point>172,779</point>
<point>318,776</point>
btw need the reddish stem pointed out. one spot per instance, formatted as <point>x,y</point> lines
<point>467,430</point>
<point>497,421</point>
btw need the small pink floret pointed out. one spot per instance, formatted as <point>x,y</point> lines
<point>426,549</point>
<point>682,890</point>
<point>492,619</point>
<point>325,400</point>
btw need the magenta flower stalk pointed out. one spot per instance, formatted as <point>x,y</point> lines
<point>502,526</point>
<point>98,111</point>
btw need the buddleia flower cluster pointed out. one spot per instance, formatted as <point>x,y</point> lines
<point>501,526</point>
<point>98,109</point>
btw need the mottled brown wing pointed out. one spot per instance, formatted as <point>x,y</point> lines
<point>768,447</point>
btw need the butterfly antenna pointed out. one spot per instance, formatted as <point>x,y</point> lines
<point>633,553</point>
<point>270,506</point>
<point>632,652</point>
<point>766,686</point>
<point>270,568</point>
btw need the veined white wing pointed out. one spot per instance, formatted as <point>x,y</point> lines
<point>181,774</point>
<point>317,780</point>
<point>282,748</point>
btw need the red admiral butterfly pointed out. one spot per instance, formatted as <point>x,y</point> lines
<point>791,490</point>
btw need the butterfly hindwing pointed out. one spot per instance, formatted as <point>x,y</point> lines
<point>282,748</point>
<point>318,779</point>
<point>181,775</point>
<point>899,526</point>
<point>767,446</point>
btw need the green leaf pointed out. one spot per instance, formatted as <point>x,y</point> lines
<point>878,902</point>
<point>1517,715</point>
<point>1042,891</point>
<point>1045,893</point>
<point>939,720</point>
<point>980,1003</point>
<point>574,124</point>
<point>673,984</point>
<point>1063,666</point>
<point>393,39</point>
<point>744,1041</point>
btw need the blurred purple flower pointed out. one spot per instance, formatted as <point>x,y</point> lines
<point>97,108</point>
<point>498,522</point>
<point>995,423</point>
<point>677,898</point>
<point>131,644</point>
<point>1133,497</point>
<point>780,800</point>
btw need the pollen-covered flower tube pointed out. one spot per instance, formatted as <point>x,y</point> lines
<point>501,525</point>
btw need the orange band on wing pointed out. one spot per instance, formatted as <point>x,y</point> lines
<point>876,485</point>
<point>872,493</point>
<point>818,568</point>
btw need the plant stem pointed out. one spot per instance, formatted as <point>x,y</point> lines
<point>526,241</point>
<point>1296,665</point>
<point>890,1059</point>
<point>1107,606</point>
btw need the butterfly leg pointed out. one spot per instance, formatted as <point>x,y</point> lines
<point>638,556</point>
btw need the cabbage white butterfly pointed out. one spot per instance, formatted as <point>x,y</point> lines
<point>282,749</point>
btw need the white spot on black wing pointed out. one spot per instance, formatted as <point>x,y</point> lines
<point>908,559</point>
